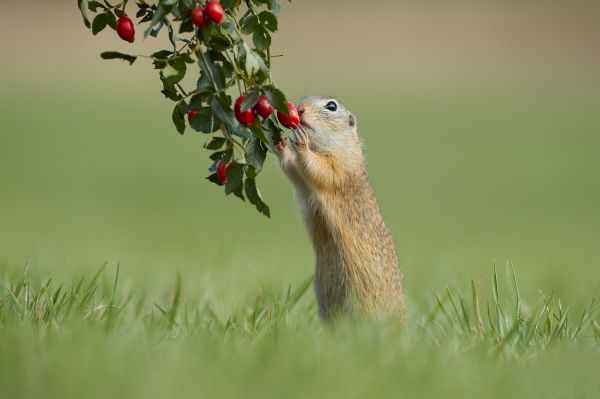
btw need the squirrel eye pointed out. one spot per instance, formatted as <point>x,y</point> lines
<point>331,105</point>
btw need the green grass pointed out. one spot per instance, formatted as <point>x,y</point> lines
<point>98,337</point>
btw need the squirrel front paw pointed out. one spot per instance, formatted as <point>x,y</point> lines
<point>287,157</point>
<point>300,139</point>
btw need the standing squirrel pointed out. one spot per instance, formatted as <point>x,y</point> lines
<point>357,269</point>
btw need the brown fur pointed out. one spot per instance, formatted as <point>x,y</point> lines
<point>357,269</point>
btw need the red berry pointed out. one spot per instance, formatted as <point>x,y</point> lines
<point>191,114</point>
<point>244,117</point>
<point>264,107</point>
<point>198,17</point>
<point>222,171</point>
<point>125,29</point>
<point>292,120</point>
<point>214,11</point>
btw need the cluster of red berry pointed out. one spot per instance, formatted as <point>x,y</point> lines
<point>246,117</point>
<point>264,108</point>
<point>213,12</point>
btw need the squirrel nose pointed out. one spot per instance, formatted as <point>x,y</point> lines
<point>300,111</point>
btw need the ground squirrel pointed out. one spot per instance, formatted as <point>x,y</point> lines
<point>357,267</point>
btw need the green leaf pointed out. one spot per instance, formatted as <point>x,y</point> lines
<point>204,84</point>
<point>257,153</point>
<point>170,92</point>
<point>258,132</point>
<point>186,26</point>
<point>255,198</point>
<point>168,2</point>
<point>213,71</point>
<point>235,176</point>
<point>214,179</point>
<point>187,4</point>
<point>98,24</point>
<point>94,5</point>
<point>172,73</point>
<point>274,132</point>
<point>230,4</point>
<point>224,155</point>
<point>215,143</point>
<point>249,24</point>
<point>277,99</point>
<point>222,109</point>
<point>169,71</point>
<point>214,38</point>
<point>179,113</point>
<point>111,55</point>
<point>83,7</point>
<point>261,38</point>
<point>205,120</point>
<point>240,132</point>
<point>252,63</point>
<point>158,16</point>
<point>250,100</point>
<point>268,20</point>
<point>111,20</point>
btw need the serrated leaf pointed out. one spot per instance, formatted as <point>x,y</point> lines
<point>249,24</point>
<point>173,72</point>
<point>98,24</point>
<point>215,143</point>
<point>230,4</point>
<point>170,92</point>
<point>212,70</point>
<point>277,99</point>
<point>261,38</point>
<point>224,155</point>
<point>273,131</point>
<point>162,54</point>
<point>169,71</point>
<point>94,5</point>
<point>214,179</point>
<point>257,153</point>
<point>223,112</point>
<point>255,198</point>
<point>186,26</point>
<point>111,20</point>
<point>205,120</point>
<point>204,84</point>
<point>252,63</point>
<point>235,176</point>
<point>112,55</point>
<point>268,20</point>
<point>178,116</point>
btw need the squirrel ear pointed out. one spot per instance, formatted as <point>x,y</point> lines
<point>352,121</point>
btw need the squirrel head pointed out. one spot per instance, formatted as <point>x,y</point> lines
<point>331,126</point>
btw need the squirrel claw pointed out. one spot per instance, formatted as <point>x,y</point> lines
<point>300,138</point>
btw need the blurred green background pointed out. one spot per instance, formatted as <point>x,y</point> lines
<point>481,125</point>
